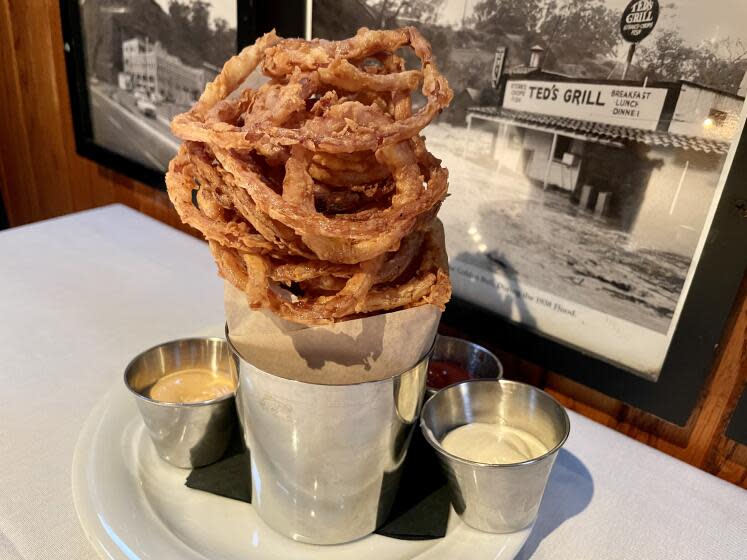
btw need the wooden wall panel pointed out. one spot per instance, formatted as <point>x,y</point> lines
<point>701,442</point>
<point>41,177</point>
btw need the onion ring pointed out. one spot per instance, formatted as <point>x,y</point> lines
<point>315,191</point>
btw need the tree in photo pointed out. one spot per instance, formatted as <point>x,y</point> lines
<point>388,12</point>
<point>720,64</point>
<point>511,17</point>
<point>193,38</point>
<point>579,30</point>
<point>573,32</point>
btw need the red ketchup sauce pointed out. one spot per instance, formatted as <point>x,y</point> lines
<point>442,373</point>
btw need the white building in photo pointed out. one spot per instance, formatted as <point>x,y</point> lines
<point>148,66</point>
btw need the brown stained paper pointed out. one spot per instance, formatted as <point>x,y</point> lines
<point>352,351</point>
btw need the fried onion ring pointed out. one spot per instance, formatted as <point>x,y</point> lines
<point>315,191</point>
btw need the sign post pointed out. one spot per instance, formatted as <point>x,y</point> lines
<point>628,60</point>
<point>498,61</point>
<point>637,22</point>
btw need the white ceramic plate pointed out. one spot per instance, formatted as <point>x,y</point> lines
<point>132,505</point>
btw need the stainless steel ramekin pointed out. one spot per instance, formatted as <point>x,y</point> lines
<point>496,498</point>
<point>187,435</point>
<point>478,361</point>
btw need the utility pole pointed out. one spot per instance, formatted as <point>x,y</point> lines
<point>155,72</point>
<point>147,65</point>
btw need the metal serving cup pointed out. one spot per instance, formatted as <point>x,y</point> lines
<point>187,435</point>
<point>326,459</point>
<point>496,498</point>
<point>480,362</point>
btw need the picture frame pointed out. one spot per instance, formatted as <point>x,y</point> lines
<point>715,272</point>
<point>97,136</point>
<point>737,428</point>
<point>3,216</point>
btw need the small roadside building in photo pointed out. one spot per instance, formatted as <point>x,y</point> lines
<point>644,157</point>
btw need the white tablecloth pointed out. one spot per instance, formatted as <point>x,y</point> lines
<point>80,295</point>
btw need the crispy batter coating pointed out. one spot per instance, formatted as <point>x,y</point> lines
<point>315,191</point>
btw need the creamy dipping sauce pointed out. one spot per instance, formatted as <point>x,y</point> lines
<point>496,444</point>
<point>191,385</point>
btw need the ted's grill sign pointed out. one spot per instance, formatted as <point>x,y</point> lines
<point>610,104</point>
<point>638,19</point>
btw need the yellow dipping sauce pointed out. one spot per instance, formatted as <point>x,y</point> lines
<point>190,386</point>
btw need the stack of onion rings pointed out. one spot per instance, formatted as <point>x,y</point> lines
<point>315,191</point>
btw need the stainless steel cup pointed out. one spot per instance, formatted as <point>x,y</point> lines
<point>480,362</point>
<point>326,459</point>
<point>496,498</point>
<point>187,435</point>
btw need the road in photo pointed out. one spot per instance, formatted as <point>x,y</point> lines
<point>499,221</point>
<point>130,133</point>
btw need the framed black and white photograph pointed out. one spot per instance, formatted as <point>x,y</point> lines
<point>591,153</point>
<point>133,65</point>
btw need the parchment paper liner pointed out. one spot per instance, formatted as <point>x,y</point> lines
<point>353,351</point>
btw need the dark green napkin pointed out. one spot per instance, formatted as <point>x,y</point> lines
<point>420,510</point>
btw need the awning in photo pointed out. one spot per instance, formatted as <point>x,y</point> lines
<point>598,132</point>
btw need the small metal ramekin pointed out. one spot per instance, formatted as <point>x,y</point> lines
<point>187,435</point>
<point>478,361</point>
<point>496,498</point>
